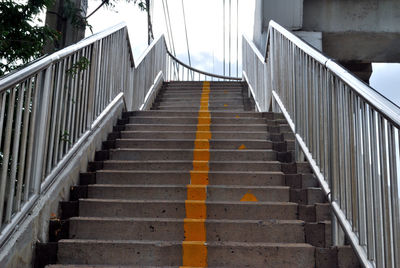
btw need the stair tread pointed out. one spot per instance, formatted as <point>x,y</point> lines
<point>163,201</point>
<point>180,220</point>
<point>180,171</point>
<point>185,186</point>
<point>210,243</point>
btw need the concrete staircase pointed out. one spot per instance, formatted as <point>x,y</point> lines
<point>260,209</point>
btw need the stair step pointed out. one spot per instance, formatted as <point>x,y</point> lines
<point>194,120</point>
<point>276,231</point>
<point>192,127</point>
<point>221,97</point>
<point>188,165</point>
<point>176,209</point>
<point>196,104</point>
<point>194,108</point>
<point>183,154</point>
<point>154,177</point>
<point>179,192</point>
<point>199,91</point>
<point>192,135</point>
<point>179,113</point>
<point>229,254</point>
<point>198,101</point>
<point>189,143</point>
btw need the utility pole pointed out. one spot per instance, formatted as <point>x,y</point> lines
<point>150,34</point>
<point>71,29</point>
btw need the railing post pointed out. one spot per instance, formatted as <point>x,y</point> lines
<point>39,150</point>
<point>92,84</point>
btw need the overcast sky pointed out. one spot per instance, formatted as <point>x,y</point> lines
<point>205,27</point>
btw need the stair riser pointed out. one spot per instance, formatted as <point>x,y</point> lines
<point>199,91</point>
<point>197,96</point>
<point>172,230</point>
<point>226,155</point>
<point>193,127</point>
<point>189,144</point>
<point>170,254</point>
<point>178,113</point>
<point>194,120</point>
<point>221,98</point>
<point>197,101</point>
<point>192,135</point>
<point>250,179</point>
<point>194,108</point>
<point>187,166</point>
<point>180,193</point>
<point>238,104</point>
<point>155,209</point>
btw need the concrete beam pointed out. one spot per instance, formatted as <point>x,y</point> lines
<point>354,15</point>
<point>362,46</point>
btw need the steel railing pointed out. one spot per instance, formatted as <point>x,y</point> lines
<point>347,131</point>
<point>179,71</point>
<point>49,108</point>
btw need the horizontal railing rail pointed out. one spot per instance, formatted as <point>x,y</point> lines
<point>179,71</point>
<point>349,133</point>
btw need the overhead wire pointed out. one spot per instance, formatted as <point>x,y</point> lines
<point>170,37</point>
<point>230,20</point>
<point>170,26</point>
<point>187,40</point>
<point>166,25</point>
<point>237,38</point>
<point>223,34</point>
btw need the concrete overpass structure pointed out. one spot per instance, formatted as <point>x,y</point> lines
<point>355,32</point>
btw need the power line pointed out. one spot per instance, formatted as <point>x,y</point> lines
<point>166,25</point>
<point>230,37</point>
<point>170,26</point>
<point>237,38</point>
<point>223,32</point>
<point>187,40</point>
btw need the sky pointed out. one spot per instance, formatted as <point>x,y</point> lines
<point>205,27</point>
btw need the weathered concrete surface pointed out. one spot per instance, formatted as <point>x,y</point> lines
<point>18,251</point>
<point>354,15</point>
<point>358,31</point>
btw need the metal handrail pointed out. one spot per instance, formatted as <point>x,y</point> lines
<point>206,74</point>
<point>388,109</point>
<point>347,131</point>
<point>50,108</point>
<point>46,61</point>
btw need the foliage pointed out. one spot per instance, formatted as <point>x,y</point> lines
<point>21,40</point>
<point>80,65</point>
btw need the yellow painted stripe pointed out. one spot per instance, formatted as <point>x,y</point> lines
<point>194,248</point>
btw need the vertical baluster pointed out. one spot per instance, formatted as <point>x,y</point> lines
<point>53,119</point>
<point>15,148</point>
<point>24,143</point>
<point>353,155</point>
<point>6,151</point>
<point>359,127</point>
<point>385,193</point>
<point>30,181</point>
<point>394,182</point>
<point>377,189</point>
